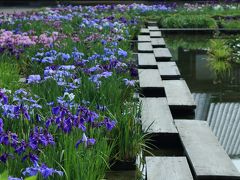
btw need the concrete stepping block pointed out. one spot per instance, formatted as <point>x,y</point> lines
<point>153,28</point>
<point>150,82</point>
<point>162,54</point>
<point>168,70</point>
<point>158,42</point>
<point>152,23</point>
<point>155,34</point>
<point>168,168</point>
<point>206,156</point>
<point>178,95</point>
<point>147,61</point>
<point>144,31</point>
<point>144,38</point>
<point>145,47</point>
<point>156,116</point>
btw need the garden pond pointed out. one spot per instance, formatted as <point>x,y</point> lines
<point>218,100</point>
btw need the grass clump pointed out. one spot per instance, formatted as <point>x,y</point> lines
<point>219,57</point>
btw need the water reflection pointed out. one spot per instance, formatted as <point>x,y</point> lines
<point>218,100</point>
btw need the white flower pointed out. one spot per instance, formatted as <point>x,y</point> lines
<point>218,7</point>
<point>71,96</point>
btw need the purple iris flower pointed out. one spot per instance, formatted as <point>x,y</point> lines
<point>129,82</point>
<point>106,74</point>
<point>1,126</point>
<point>110,124</point>
<point>8,139</point>
<point>33,157</point>
<point>4,157</point>
<point>21,92</point>
<point>38,118</point>
<point>65,57</point>
<point>43,170</point>
<point>104,42</point>
<point>77,55</point>
<point>34,79</point>
<point>40,137</point>
<point>122,53</point>
<point>87,141</point>
<point>21,147</point>
<point>133,72</point>
<point>67,67</point>
<point>4,97</point>
<point>55,110</point>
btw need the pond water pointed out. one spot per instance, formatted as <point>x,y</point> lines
<point>218,101</point>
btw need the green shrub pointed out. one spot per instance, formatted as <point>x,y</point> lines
<point>219,57</point>
<point>9,74</point>
<point>186,21</point>
<point>234,24</point>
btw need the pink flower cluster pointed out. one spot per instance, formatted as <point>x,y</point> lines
<point>8,38</point>
<point>48,40</point>
<point>16,43</point>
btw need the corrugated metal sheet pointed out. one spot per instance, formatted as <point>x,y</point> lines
<point>223,119</point>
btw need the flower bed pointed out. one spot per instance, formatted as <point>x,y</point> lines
<point>75,113</point>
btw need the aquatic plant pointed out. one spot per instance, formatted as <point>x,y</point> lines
<point>219,56</point>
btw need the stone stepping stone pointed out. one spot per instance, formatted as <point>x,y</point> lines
<point>168,168</point>
<point>150,82</point>
<point>155,34</point>
<point>152,23</point>
<point>206,156</point>
<point>158,42</point>
<point>162,54</point>
<point>144,31</point>
<point>168,70</point>
<point>156,116</point>
<point>153,28</point>
<point>178,95</point>
<point>147,61</point>
<point>144,38</point>
<point>145,47</point>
